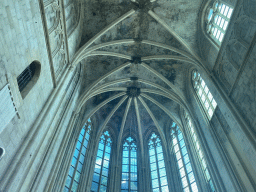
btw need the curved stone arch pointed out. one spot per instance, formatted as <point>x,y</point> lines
<point>244,29</point>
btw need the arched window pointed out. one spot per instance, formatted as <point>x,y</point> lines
<point>100,176</point>
<point>199,151</point>
<point>180,149</point>
<point>28,78</point>
<point>217,21</point>
<point>204,94</point>
<point>2,152</point>
<point>157,165</point>
<point>78,159</point>
<point>129,166</point>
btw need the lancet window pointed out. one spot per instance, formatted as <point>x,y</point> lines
<point>183,161</point>
<point>157,165</point>
<point>199,152</point>
<point>101,170</point>
<point>129,181</point>
<point>75,169</point>
<point>204,94</point>
<point>218,18</point>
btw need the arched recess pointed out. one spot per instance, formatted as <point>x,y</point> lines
<point>28,78</point>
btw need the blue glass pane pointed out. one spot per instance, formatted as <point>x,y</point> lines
<point>66,189</point>
<point>125,176</point>
<point>186,159</point>
<point>78,145</point>
<point>180,136</point>
<point>154,174</point>
<point>188,167</point>
<point>82,131</point>
<point>153,166</point>
<point>81,158</point>
<point>163,181</point>
<point>161,164</point>
<point>94,187</point>
<point>162,172</point>
<point>68,181</point>
<point>184,151</point>
<point>76,153</point>
<point>159,149</point>
<point>85,143</point>
<point>79,167</point>
<point>77,176</point>
<point>101,146</point>
<point>105,172</point>
<point>74,186</point>
<point>152,152</point>
<point>103,188</point>
<point>125,161</point>
<point>96,177</point>
<point>125,154</point>
<point>133,161</point>
<point>155,183</point>
<point>160,156</point>
<point>80,138</point>
<point>191,177</point>
<point>100,153</point>
<point>87,136</point>
<point>97,168</point>
<point>98,160</point>
<point>133,185</point>
<point>133,154</point>
<point>165,189</point>
<point>83,150</point>
<point>133,176</point>
<point>133,168</point>
<point>124,185</point>
<point>107,156</point>
<point>71,171</point>
<point>152,159</point>
<point>156,190</point>
<point>125,168</point>
<point>106,163</point>
<point>73,163</point>
<point>108,149</point>
<point>182,143</point>
<point>104,180</point>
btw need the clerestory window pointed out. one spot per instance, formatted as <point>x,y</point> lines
<point>199,152</point>
<point>218,18</point>
<point>183,161</point>
<point>205,96</point>
<point>157,165</point>
<point>129,181</point>
<point>77,163</point>
<point>101,170</point>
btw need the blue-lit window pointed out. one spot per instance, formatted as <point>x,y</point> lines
<point>186,173</point>
<point>75,169</point>
<point>100,176</point>
<point>129,166</point>
<point>157,165</point>
<point>204,94</point>
<point>218,19</point>
<point>199,151</point>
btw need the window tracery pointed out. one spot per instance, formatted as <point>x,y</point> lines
<point>77,163</point>
<point>217,21</point>
<point>204,94</point>
<point>101,170</point>
<point>199,152</point>
<point>183,161</point>
<point>157,165</point>
<point>129,166</point>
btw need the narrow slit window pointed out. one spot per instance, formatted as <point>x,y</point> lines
<point>199,152</point>
<point>101,170</point>
<point>77,162</point>
<point>186,173</point>
<point>157,165</point>
<point>129,181</point>
<point>217,21</point>
<point>204,94</point>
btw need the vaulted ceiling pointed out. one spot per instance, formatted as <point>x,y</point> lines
<point>135,57</point>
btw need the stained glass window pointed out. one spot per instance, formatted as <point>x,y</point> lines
<point>129,181</point>
<point>204,94</point>
<point>157,165</point>
<point>218,19</point>
<point>101,170</point>
<point>199,151</point>
<point>77,162</point>
<point>186,173</point>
